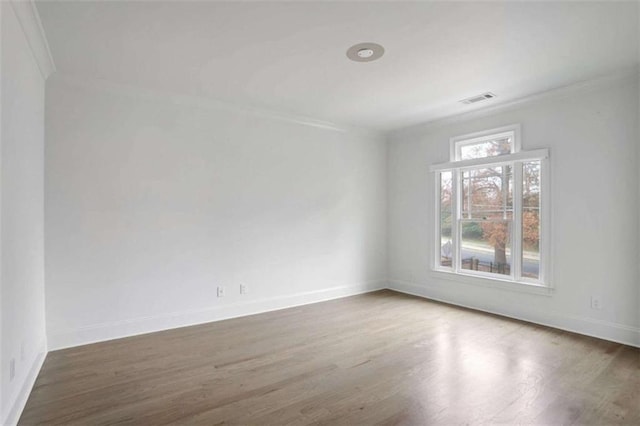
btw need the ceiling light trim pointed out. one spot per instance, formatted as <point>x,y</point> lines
<point>365,52</point>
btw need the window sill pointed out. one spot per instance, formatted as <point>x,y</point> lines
<point>518,286</point>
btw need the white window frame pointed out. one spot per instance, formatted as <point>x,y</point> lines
<point>515,160</point>
<point>458,142</point>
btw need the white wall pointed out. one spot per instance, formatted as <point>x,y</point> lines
<point>153,200</point>
<point>22,213</point>
<point>592,133</point>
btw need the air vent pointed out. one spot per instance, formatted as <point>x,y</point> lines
<point>479,98</point>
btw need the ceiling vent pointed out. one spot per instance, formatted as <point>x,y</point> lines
<point>479,98</point>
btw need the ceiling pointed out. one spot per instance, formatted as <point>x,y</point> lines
<point>290,56</point>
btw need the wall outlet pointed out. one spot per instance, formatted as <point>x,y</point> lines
<point>12,369</point>
<point>596,303</point>
<point>220,291</point>
<point>243,289</point>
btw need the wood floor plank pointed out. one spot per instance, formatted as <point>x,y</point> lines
<point>380,358</point>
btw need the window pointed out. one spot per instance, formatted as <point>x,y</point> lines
<point>485,146</point>
<point>491,210</point>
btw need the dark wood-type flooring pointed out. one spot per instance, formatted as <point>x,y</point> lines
<point>377,358</point>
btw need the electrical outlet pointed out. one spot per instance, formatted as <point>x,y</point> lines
<point>12,369</point>
<point>596,303</point>
<point>220,291</point>
<point>243,289</point>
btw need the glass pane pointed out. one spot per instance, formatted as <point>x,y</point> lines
<point>486,246</point>
<point>531,219</point>
<point>486,148</point>
<point>446,245</point>
<point>487,193</point>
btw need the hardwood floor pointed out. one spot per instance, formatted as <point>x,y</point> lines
<point>379,358</point>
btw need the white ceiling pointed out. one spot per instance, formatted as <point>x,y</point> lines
<point>290,56</point>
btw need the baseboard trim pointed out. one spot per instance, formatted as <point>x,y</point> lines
<point>18,405</point>
<point>61,339</point>
<point>614,332</point>
<point>619,333</point>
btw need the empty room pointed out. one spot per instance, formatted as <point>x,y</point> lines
<point>319,212</point>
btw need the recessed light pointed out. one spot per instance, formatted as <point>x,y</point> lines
<point>365,52</point>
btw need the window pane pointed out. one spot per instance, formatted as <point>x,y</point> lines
<point>487,193</point>
<point>486,148</point>
<point>531,219</point>
<point>446,245</point>
<point>486,246</point>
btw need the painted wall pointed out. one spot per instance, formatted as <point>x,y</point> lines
<point>592,133</point>
<point>154,200</point>
<point>21,215</point>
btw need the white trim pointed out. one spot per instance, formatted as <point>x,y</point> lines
<point>619,333</point>
<point>514,160</point>
<point>614,332</point>
<point>545,246</point>
<point>13,415</point>
<point>536,154</point>
<point>136,92</point>
<point>65,338</point>
<point>585,86</point>
<point>437,255</point>
<point>456,263</point>
<point>493,281</point>
<point>514,130</point>
<point>437,235</point>
<point>29,19</point>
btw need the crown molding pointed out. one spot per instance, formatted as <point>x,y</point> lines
<point>29,19</point>
<point>555,93</point>
<point>204,102</point>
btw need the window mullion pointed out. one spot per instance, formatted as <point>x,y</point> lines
<point>516,258</point>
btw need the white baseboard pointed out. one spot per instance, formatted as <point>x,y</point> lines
<point>21,400</point>
<point>619,333</point>
<point>60,339</point>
